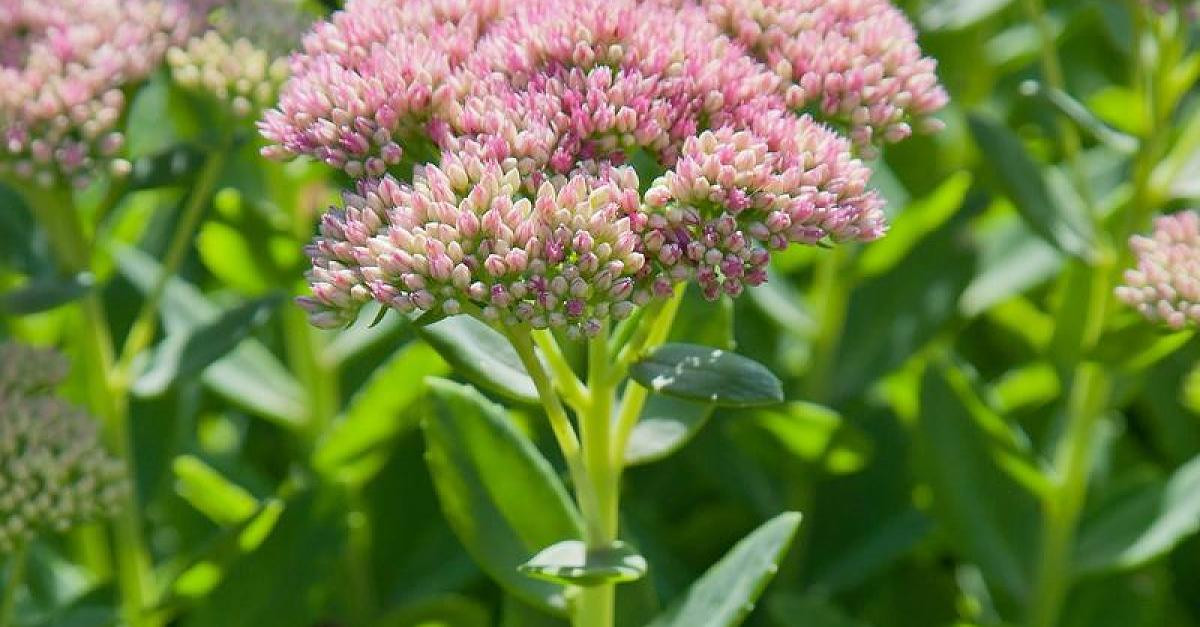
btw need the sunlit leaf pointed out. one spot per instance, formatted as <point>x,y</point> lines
<point>705,374</point>
<point>726,593</point>
<point>501,497</point>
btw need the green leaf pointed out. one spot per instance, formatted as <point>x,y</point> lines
<point>44,294</point>
<point>959,14</point>
<point>482,355</point>
<point>702,373</point>
<point>725,595</point>
<point>665,425</point>
<point>1011,260</point>
<point>937,270</point>
<point>1065,226</point>
<point>499,495</point>
<point>572,563</point>
<point>250,376</point>
<point>818,435</point>
<point>186,354</point>
<point>218,498</point>
<point>357,445</point>
<point>987,515</point>
<point>232,257</point>
<point>1141,524</point>
<point>917,220</point>
<point>1137,345</point>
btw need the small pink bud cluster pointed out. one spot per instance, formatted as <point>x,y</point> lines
<point>540,114</point>
<point>65,65</point>
<point>54,473</point>
<point>466,238</point>
<point>1165,285</point>
<point>853,61</point>
<point>735,195</point>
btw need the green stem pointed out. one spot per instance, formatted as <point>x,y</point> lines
<point>108,400</point>
<point>145,325</point>
<point>572,389</point>
<point>596,605</point>
<point>16,576</point>
<point>560,424</point>
<point>1064,503</point>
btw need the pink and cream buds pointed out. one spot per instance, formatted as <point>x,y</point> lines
<point>1165,285</point>
<point>65,66</point>
<point>540,115</point>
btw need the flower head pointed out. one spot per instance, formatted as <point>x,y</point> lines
<point>54,473</point>
<point>571,160</point>
<point>852,61</point>
<point>1165,285</point>
<point>242,61</point>
<point>65,65</point>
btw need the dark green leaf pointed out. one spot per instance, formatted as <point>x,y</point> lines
<point>571,562</point>
<point>501,497</point>
<point>1141,524</point>
<point>355,447</point>
<point>818,435</point>
<point>1066,227</point>
<point>184,355</point>
<point>989,517</point>
<point>482,355</point>
<point>665,425</point>
<point>726,594</point>
<point>706,374</point>
<point>250,376</point>
<point>44,294</point>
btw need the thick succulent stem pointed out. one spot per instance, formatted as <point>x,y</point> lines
<point>107,397</point>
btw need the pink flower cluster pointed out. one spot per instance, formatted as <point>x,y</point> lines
<point>587,155</point>
<point>64,65</point>
<point>1165,285</point>
<point>853,61</point>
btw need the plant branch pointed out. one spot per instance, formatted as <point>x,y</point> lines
<point>573,391</point>
<point>145,325</point>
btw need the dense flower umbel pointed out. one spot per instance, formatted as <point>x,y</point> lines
<point>25,370</point>
<point>65,65</point>
<point>242,61</point>
<point>536,114</point>
<point>54,474</point>
<point>855,61</point>
<point>1165,286</point>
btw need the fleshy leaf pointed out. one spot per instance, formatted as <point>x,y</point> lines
<point>482,355</point>
<point>570,562</point>
<point>726,594</point>
<point>499,495</point>
<point>706,374</point>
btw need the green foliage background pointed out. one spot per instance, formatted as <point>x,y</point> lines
<point>283,469</point>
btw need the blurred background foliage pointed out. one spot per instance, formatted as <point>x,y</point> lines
<point>282,468</point>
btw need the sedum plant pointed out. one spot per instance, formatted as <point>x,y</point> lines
<point>55,474</point>
<point>536,184</point>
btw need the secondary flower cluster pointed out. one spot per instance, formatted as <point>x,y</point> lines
<point>557,162</point>
<point>54,474</point>
<point>1165,285</point>
<point>242,61</point>
<point>65,65</point>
